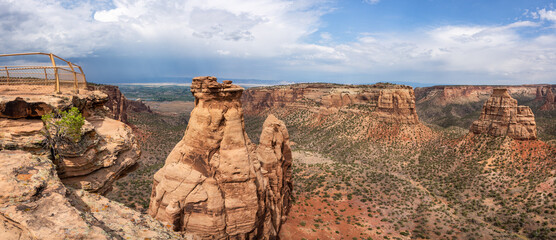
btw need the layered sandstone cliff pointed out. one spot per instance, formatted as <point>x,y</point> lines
<point>502,116</point>
<point>391,103</point>
<point>216,184</point>
<point>35,203</point>
<point>106,150</point>
<point>546,95</point>
<point>117,104</point>
<point>445,95</point>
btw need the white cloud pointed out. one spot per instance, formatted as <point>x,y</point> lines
<point>256,28</point>
<point>275,32</point>
<point>499,52</point>
<point>549,15</point>
<point>223,52</point>
<point>371,1</point>
<point>326,36</point>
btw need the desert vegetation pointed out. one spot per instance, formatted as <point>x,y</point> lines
<point>354,179</point>
<point>452,186</point>
<point>157,135</point>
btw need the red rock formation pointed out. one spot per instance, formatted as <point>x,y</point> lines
<point>274,153</point>
<point>215,183</point>
<point>137,106</point>
<point>444,95</point>
<point>393,103</point>
<point>502,116</point>
<point>397,106</point>
<point>117,103</point>
<point>107,148</point>
<point>549,101</point>
<point>36,204</point>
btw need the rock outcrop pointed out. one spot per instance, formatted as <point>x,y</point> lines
<point>107,148</point>
<point>549,100</point>
<point>215,183</point>
<point>35,204</point>
<point>446,95</point>
<point>391,103</point>
<point>117,103</point>
<point>502,116</point>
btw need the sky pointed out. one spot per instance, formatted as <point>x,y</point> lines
<point>343,41</point>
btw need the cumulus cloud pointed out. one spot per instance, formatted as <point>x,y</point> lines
<point>50,26</point>
<point>496,52</point>
<point>549,15</point>
<point>256,27</point>
<point>274,35</point>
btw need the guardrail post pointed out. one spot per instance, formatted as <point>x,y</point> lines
<point>84,78</point>
<point>57,88</point>
<point>45,77</point>
<point>74,78</point>
<point>7,76</point>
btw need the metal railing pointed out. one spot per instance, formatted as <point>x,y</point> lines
<point>70,76</point>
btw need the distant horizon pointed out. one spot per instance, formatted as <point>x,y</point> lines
<point>414,85</point>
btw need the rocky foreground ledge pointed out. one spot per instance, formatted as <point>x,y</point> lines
<point>106,150</point>
<point>45,199</point>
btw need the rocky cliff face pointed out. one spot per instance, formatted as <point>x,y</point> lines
<point>35,204</point>
<point>392,103</point>
<point>117,103</point>
<point>35,200</point>
<point>546,96</point>
<point>502,116</point>
<point>215,183</point>
<point>106,150</point>
<point>444,95</point>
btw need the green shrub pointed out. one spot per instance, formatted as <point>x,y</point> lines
<point>66,124</point>
<point>62,129</point>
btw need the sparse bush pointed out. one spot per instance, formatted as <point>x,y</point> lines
<point>62,128</point>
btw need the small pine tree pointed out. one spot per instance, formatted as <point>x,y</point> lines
<point>62,128</point>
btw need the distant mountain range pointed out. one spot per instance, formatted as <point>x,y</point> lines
<point>244,82</point>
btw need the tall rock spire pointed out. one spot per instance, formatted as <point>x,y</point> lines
<point>215,183</point>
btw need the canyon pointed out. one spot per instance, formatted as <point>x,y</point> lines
<point>366,171</point>
<point>343,161</point>
<point>388,110</point>
<point>460,106</point>
<point>393,103</point>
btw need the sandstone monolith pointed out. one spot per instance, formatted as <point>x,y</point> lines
<point>502,116</point>
<point>215,183</point>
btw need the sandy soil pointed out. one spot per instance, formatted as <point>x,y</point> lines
<point>174,108</point>
<point>310,157</point>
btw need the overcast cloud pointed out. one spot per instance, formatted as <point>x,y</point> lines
<point>276,34</point>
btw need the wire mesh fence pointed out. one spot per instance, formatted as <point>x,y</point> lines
<point>41,79</point>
